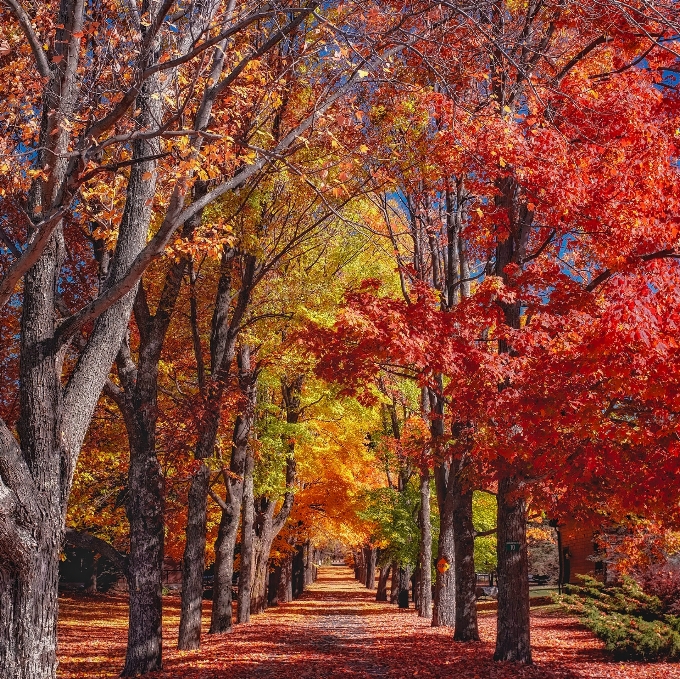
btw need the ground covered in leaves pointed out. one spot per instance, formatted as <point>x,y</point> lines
<point>336,630</point>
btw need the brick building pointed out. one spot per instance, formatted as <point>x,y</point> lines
<point>578,552</point>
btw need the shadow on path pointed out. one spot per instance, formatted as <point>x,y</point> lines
<point>338,630</point>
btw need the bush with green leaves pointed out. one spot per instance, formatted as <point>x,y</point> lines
<point>632,624</point>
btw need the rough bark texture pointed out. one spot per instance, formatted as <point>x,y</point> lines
<point>404,579</point>
<point>425,551</point>
<point>309,563</point>
<point>371,555</point>
<point>241,457</point>
<point>381,594</point>
<point>466,578</point>
<point>285,590</point>
<point>444,610</point>
<point>394,583</point>
<point>513,637</point>
<point>193,562</point>
<point>245,580</point>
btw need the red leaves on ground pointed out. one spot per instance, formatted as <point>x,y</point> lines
<point>337,630</point>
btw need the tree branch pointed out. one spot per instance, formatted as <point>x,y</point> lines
<point>25,22</point>
<point>222,504</point>
<point>43,233</point>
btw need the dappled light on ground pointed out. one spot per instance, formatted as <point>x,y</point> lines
<point>336,629</point>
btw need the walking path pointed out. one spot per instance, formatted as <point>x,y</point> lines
<point>335,630</point>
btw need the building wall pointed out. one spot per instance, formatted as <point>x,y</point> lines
<point>579,542</point>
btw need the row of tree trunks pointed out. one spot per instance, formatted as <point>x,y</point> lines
<point>223,348</point>
<point>234,479</point>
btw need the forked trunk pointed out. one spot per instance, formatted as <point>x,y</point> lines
<point>513,637</point>
<point>241,457</point>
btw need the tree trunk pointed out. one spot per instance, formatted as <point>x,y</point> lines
<point>267,525</point>
<point>309,563</point>
<point>425,552</point>
<point>444,610</point>
<point>405,579</point>
<point>466,578</point>
<point>371,558</point>
<point>221,617</point>
<point>193,564</point>
<point>28,606</point>
<point>241,457</point>
<point>394,584</point>
<point>381,594</point>
<point>147,533</point>
<point>273,586</point>
<point>245,579</point>
<point>285,593</point>
<point>360,560</point>
<point>298,572</point>
<point>513,636</point>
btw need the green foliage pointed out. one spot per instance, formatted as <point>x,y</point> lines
<point>632,624</point>
<point>395,516</point>
<point>484,510</point>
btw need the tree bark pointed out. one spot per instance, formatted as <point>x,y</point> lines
<point>371,558</point>
<point>246,574</point>
<point>405,579</point>
<point>394,584</point>
<point>513,638</point>
<point>444,610</point>
<point>285,593</point>
<point>193,562</point>
<point>466,578</point>
<point>241,457</point>
<point>298,572</point>
<point>425,552</point>
<point>381,594</point>
<point>309,563</point>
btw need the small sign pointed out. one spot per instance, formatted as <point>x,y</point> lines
<point>443,565</point>
<point>512,546</point>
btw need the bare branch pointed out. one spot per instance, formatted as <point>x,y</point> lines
<point>43,233</point>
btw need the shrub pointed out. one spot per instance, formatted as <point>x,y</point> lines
<point>634,625</point>
<point>663,581</point>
